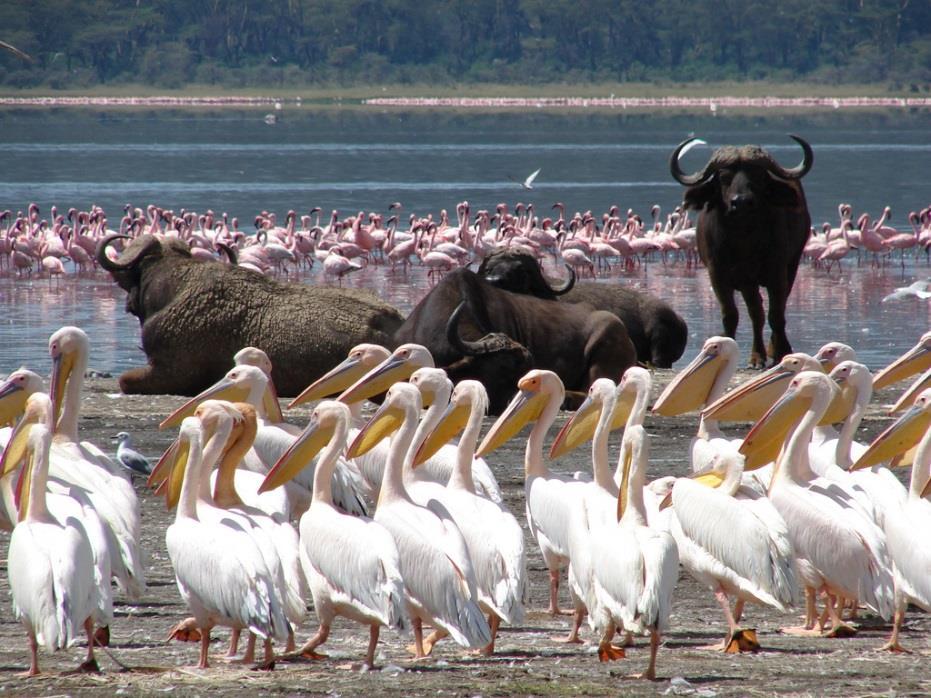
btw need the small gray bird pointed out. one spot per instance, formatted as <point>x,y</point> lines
<point>132,460</point>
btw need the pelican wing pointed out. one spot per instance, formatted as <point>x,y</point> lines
<point>358,560</point>
<point>905,530</point>
<point>221,573</point>
<point>746,537</point>
<point>660,574</point>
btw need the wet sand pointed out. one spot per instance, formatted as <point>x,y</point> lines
<point>528,660</point>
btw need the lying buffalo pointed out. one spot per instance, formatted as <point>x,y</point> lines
<point>577,342</point>
<point>658,333</point>
<point>195,316</point>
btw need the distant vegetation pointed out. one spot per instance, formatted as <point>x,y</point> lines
<point>78,44</point>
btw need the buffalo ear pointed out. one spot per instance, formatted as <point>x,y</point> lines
<point>782,193</point>
<point>698,196</point>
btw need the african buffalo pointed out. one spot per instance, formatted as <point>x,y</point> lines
<point>658,333</point>
<point>195,316</point>
<point>577,342</point>
<point>753,225</point>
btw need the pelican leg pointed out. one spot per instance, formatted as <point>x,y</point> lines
<point>554,609</point>
<point>373,643</point>
<point>577,618</point>
<point>431,640</point>
<point>234,643</point>
<point>417,625</point>
<point>204,646</point>
<point>307,651</point>
<point>810,615</point>
<point>185,631</point>
<point>249,656</point>
<point>838,627</point>
<point>289,647</point>
<point>493,622</point>
<point>90,663</point>
<point>738,609</point>
<point>893,644</point>
<point>606,651</point>
<point>650,673</point>
<point>33,655</point>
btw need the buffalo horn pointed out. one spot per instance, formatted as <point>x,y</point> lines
<point>122,265</point>
<point>229,252</point>
<point>464,346</point>
<point>676,171</point>
<point>566,287</point>
<point>804,166</point>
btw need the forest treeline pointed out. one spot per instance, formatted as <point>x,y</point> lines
<point>295,43</point>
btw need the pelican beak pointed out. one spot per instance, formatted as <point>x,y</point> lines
<point>578,430</point>
<point>909,396</point>
<point>386,420</point>
<point>750,401</point>
<point>62,366</point>
<point>916,359</point>
<point>628,457</point>
<point>299,454</point>
<point>24,483</point>
<point>667,501</point>
<point>897,438</point>
<point>16,447</point>
<point>12,402</point>
<point>926,490</point>
<point>379,379</point>
<point>452,422</point>
<point>841,404</point>
<point>772,428</point>
<point>223,389</point>
<point>271,404</point>
<point>709,478</point>
<point>525,407</point>
<point>171,487</point>
<point>162,468</point>
<point>688,390</point>
<point>332,382</point>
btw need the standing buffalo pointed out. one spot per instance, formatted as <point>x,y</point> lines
<point>658,333</point>
<point>195,316</point>
<point>578,343</point>
<point>752,228</point>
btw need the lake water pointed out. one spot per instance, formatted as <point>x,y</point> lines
<point>363,159</point>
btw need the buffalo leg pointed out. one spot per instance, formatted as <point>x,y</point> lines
<point>777,321</point>
<point>729,315</point>
<point>754,301</point>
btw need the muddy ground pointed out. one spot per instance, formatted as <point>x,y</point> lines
<point>528,661</point>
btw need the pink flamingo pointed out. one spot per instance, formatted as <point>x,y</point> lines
<point>836,250</point>
<point>337,265</point>
<point>579,261</point>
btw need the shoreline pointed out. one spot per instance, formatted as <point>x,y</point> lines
<point>570,103</point>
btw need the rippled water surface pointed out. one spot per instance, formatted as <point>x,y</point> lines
<point>356,160</point>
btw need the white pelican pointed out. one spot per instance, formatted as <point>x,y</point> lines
<point>84,465</point>
<point>400,365</point>
<point>597,505</point>
<point>732,540</point>
<point>438,574</point>
<point>247,383</point>
<point>50,563</point>
<point>351,562</point>
<point>220,570</point>
<point>907,526</point>
<point>635,568</point>
<point>834,353</point>
<point>839,550</point>
<point>230,430</point>
<point>493,536</point>
<point>701,383</point>
<point>549,497</point>
<point>64,502</point>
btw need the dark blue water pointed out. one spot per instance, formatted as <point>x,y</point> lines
<point>362,160</point>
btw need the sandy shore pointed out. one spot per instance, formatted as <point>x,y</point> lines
<point>529,661</point>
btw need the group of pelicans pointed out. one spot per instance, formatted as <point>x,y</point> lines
<point>792,504</point>
<point>588,243</point>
